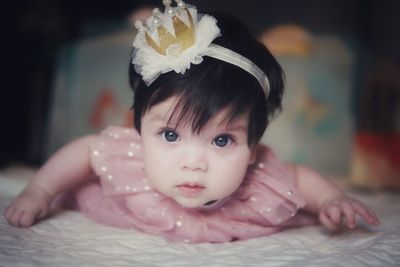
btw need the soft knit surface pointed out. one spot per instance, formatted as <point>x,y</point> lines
<point>68,238</point>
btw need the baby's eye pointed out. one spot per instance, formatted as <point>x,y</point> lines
<point>222,140</point>
<point>169,135</point>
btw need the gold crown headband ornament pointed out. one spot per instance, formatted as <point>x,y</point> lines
<point>177,38</point>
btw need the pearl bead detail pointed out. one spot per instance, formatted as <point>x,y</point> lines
<point>180,4</point>
<point>156,12</point>
<point>156,22</point>
<point>170,11</point>
<point>139,25</point>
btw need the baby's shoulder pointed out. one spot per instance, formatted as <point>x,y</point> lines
<point>268,164</point>
<point>115,132</point>
<point>265,154</point>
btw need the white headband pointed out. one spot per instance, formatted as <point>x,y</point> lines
<point>227,55</point>
<point>176,39</point>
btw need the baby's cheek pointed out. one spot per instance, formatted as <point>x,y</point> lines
<point>157,172</point>
<point>230,178</point>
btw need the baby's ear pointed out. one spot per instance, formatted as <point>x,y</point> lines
<point>253,156</point>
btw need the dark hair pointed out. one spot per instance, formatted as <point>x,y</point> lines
<point>213,85</point>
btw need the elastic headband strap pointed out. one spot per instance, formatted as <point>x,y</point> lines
<point>229,56</point>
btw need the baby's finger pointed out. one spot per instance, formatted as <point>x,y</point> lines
<point>348,212</point>
<point>20,215</point>
<point>327,222</point>
<point>333,212</point>
<point>7,213</point>
<point>42,213</point>
<point>14,216</point>
<point>368,215</point>
<point>26,219</point>
<point>372,213</point>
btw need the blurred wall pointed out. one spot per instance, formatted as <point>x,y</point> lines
<point>36,29</point>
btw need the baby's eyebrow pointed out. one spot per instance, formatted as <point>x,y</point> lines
<point>165,119</point>
<point>236,128</point>
<point>228,127</point>
<point>156,117</point>
<point>159,117</point>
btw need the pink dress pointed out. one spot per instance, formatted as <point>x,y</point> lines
<point>266,202</point>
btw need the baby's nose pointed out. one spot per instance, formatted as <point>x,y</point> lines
<point>195,159</point>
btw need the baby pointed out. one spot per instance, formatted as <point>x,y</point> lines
<point>192,170</point>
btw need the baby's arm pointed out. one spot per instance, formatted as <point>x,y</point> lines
<point>67,168</point>
<point>328,201</point>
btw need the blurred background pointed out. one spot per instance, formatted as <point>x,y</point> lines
<point>65,75</point>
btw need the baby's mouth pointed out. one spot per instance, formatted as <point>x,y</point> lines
<point>189,189</point>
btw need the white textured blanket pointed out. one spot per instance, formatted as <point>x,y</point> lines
<point>69,239</point>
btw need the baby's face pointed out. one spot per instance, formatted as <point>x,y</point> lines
<point>194,169</point>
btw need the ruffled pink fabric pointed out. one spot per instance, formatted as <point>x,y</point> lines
<point>266,202</point>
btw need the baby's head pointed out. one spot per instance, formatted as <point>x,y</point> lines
<point>199,129</point>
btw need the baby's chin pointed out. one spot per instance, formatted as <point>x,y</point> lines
<point>193,203</point>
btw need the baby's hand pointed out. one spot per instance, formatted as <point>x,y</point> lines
<point>31,205</point>
<point>332,211</point>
